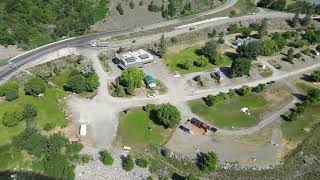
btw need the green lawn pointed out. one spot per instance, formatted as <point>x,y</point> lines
<point>133,129</point>
<point>49,112</point>
<point>173,61</point>
<point>296,130</point>
<point>304,87</point>
<point>227,113</point>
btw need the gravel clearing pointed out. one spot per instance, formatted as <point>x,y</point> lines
<point>96,170</point>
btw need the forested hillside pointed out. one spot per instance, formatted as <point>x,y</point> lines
<point>31,23</point>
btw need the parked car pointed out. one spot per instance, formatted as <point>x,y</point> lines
<point>192,28</point>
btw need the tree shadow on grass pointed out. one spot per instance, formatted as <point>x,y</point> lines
<point>306,78</point>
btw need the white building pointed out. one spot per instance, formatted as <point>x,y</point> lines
<point>134,58</point>
<point>83,130</point>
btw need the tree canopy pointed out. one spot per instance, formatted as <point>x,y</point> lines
<point>30,23</point>
<point>168,115</point>
<point>209,162</point>
<point>131,77</point>
<point>315,76</point>
<point>34,86</point>
<point>251,50</point>
<point>240,67</point>
<point>209,50</point>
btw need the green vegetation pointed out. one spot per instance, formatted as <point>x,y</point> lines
<point>315,76</point>
<point>120,9</point>
<point>301,119</point>
<point>227,114</point>
<point>127,163</point>
<point>30,24</point>
<point>176,61</point>
<point>168,116</point>
<point>240,67</point>
<point>209,162</point>
<point>53,156</point>
<point>137,129</point>
<point>34,86</point>
<point>142,162</point>
<point>12,94</point>
<point>104,61</point>
<point>106,158</point>
<point>83,78</point>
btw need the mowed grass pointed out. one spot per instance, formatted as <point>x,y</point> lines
<point>227,114</point>
<point>49,112</point>
<point>174,60</point>
<point>137,129</point>
<point>298,129</point>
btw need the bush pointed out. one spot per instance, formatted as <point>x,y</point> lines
<point>127,163</point>
<point>168,116</point>
<point>29,111</point>
<point>202,61</point>
<point>245,90</point>
<point>318,48</point>
<point>268,47</point>
<point>11,94</point>
<point>120,9</point>
<point>240,67</point>
<point>106,158</point>
<point>8,86</point>
<point>209,162</point>
<point>191,177</point>
<point>149,107</point>
<point>131,4</point>
<point>34,86</point>
<point>187,65</point>
<point>86,158</point>
<point>315,76</point>
<point>11,118</point>
<point>166,152</point>
<point>298,55</point>
<point>149,178</point>
<point>259,89</point>
<point>142,162</point>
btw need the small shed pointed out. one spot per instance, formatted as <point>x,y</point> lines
<point>83,130</point>
<point>150,81</point>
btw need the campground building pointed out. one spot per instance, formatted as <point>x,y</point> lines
<point>134,58</point>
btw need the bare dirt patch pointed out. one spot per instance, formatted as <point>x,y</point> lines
<point>285,148</point>
<point>131,18</point>
<point>277,94</point>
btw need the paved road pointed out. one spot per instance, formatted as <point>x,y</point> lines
<point>82,41</point>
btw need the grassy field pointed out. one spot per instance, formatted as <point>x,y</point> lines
<point>173,61</point>
<point>227,113</point>
<point>297,130</point>
<point>136,129</point>
<point>49,112</point>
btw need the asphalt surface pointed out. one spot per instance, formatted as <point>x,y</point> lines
<point>81,41</point>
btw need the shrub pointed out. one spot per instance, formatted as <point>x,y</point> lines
<point>166,152</point>
<point>268,47</point>
<point>240,67</point>
<point>191,177</point>
<point>106,158</point>
<point>86,158</point>
<point>29,111</point>
<point>127,163</point>
<point>259,89</point>
<point>142,162</point>
<point>8,86</point>
<point>149,178</point>
<point>245,90</point>
<point>149,107</point>
<point>141,3</point>
<point>120,9</point>
<point>315,76</point>
<point>168,116</point>
<point>298,55</point>
<point>202,61</point>
<point>209,162</point>
<point>173,40</point>
<point>187,65</point>
<point>34,86</point>
<point>131,4</point>
<point>11,94</point>
<point>11,118</point>
<point>318,48</point>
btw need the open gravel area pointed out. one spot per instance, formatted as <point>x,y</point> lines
<point>96,170</point>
